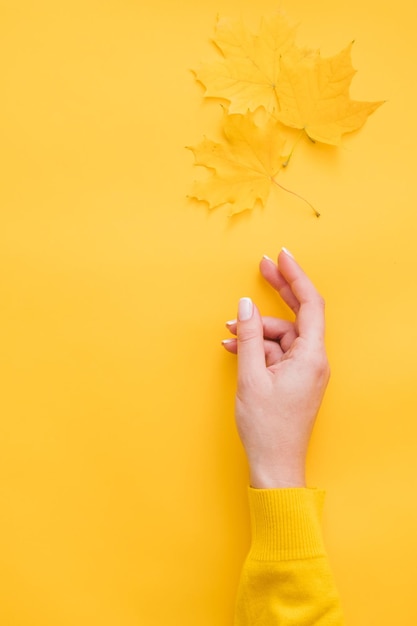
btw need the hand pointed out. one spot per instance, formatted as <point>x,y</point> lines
<point>282,376</point>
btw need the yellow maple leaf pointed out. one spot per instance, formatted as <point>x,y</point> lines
<point>313,95</point>
<point>293,87</point>
<point>247,75</point>
<point>244,167</point>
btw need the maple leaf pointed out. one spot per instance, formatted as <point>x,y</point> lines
<point>313,95</point>
<point>244,167</point>
<point>247,75</point>
<point>294,87</point>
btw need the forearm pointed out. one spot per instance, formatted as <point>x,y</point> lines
<point>286,579</point>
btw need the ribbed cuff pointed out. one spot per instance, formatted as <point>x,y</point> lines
<point>286,524</point>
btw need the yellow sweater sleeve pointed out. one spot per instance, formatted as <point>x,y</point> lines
<point>286,579</point>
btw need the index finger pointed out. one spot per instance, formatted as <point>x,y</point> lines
<point>298,292</point>
<point>271,273</point>
<point>310,315</point>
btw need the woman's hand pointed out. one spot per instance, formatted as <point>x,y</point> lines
<point>282,375</point>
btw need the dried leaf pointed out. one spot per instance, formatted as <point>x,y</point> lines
<point>293,87</point>
<point>244,167</point>
<point>314,95</point>
<point>247,75</point>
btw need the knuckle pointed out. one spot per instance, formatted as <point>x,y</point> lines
<point>247,336</point>
<point>320,364</point>
<point>321,301</point>
<point>250,387</point>
<point>329,371</point>
<point>323,369</point>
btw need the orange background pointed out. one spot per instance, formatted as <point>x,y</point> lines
<point>122,480</point>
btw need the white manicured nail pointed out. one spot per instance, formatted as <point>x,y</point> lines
<point>245,309</point>
<point>287,252</point>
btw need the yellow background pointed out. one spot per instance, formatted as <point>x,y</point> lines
<point>122,480</point>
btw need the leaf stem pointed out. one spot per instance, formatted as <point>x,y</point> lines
<point>286,162</point>
<point>297,195</point>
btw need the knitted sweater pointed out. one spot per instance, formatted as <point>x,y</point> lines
<point>286,579</point>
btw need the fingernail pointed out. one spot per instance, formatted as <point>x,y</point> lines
<point>268,258</point>
<point>226,341</point>
<point>231,322</point>
<point>245,309</point>
<point>287,252</point>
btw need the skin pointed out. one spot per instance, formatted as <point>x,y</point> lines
<point>283,372</point>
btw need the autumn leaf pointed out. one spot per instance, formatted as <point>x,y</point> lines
<point>244,167</point>
<point>313,95</point>
<point>293,88</point>
<point>247,75</point>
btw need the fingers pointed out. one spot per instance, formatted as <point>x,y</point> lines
<point>310,315</point>
<point>272,350</point>
<point>275,330</point>
<point>250,341</point>
<point>265,340</point>
<point>297,290</point>
<point>272,274</point>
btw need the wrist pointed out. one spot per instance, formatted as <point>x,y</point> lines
<point>277,476</point>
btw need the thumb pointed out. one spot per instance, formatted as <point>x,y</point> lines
<point>250,340</point>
